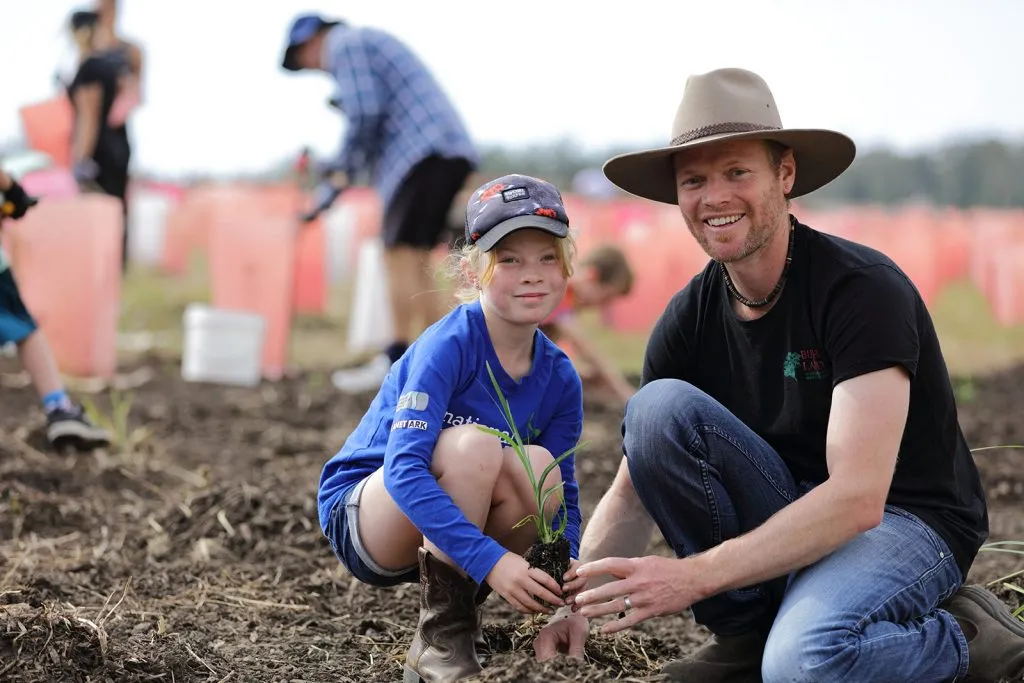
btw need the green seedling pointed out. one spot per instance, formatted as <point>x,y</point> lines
<point>117,421</point>
<point>545,532</point>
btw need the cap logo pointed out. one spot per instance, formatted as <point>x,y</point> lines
<point>515,194</point>
<point>491,191</point>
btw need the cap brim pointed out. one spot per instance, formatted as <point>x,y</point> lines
<point>290,61</point>
<point>504,229</point>
<point>821,157</point>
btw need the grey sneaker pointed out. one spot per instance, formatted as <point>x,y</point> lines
<point>74,428</point>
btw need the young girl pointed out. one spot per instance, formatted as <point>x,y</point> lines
<point>418,492</point>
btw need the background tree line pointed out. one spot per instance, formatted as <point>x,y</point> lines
<point>967,173</point>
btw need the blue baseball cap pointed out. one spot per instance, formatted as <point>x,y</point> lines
<point>514,202</point>
<point>303,27</point>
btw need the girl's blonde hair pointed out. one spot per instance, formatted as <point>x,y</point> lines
<point>470,257</point>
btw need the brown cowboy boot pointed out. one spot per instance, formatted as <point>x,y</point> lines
<point>442,648</point>
<point>723,659</point>
<point>995,639</point>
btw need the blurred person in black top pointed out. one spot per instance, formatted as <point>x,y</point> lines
<point>100,152</point>
<point>108,41</point>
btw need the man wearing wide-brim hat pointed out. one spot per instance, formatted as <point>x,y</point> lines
<point>795,438</point>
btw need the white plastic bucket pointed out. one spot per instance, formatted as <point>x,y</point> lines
<point>221,346</point>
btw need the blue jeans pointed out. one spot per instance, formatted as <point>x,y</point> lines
<point>866,612</point>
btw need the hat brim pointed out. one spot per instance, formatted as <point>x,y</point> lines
<point>502,230</point>
<point>821,157</point>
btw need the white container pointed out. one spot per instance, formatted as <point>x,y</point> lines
<point>221,346</point>
<point>147,218</point>
<point>370,324</point>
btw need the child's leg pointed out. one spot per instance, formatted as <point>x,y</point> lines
<point>65,422</point>
<point>467,464</point>
<point>37,359</point>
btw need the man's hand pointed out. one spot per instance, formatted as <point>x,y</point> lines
<point>325,194</point>
<point>521,585</point>
<point>654,585</point>
<point>15,202</point>
<point>566,633</point>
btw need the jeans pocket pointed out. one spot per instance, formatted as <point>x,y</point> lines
<point>941,549</point>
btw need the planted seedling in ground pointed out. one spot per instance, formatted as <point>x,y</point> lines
<point>550,552</point>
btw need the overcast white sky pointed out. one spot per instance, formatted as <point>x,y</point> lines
<point>907,73</point>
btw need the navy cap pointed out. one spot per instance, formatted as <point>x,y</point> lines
<point>303,27</point>
<point>511,203</point>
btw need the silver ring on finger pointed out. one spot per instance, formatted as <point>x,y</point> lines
<point>628,602</point>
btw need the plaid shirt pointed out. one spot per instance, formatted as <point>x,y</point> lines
<point>397,113</point>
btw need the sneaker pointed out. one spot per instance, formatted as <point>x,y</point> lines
<point>362,378</point>
<point>74,428</point>
<point>995,638</point>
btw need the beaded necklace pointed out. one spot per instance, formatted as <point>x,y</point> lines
<point>772,295</point>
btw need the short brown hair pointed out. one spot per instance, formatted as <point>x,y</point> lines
<point>776,150</point>
<point>612,267</point>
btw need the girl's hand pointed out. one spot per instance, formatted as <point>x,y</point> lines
<point>573,584</point>
<point>521,585</point>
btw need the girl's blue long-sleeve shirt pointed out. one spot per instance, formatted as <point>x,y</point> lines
<point>442,382</point>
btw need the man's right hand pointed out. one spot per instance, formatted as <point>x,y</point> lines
<point>566,633</point>
<point>15,202</point>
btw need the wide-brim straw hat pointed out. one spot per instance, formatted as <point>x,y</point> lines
<point>730,104</point>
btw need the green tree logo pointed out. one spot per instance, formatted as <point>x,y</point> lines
<point>790,365</point>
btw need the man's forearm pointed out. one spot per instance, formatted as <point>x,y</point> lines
<point>619,527</point>
<point>798,535</point>
<point>5,181</point>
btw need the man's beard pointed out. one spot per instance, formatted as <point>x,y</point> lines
<point>770,212</point>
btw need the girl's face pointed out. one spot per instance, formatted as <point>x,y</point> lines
<point>528,280</point>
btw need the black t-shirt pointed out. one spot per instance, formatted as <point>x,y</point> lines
<point>112,147</point>
<point>846,310</point>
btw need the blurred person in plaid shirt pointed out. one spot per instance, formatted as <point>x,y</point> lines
<point>406,137</point>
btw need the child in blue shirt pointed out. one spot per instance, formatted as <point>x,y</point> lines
<point>418,492</point>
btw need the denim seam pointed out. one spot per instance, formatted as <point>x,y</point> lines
<point>872,617</point>
<point>709,493</point>
<point>965,660</point>
<point>714,429</point>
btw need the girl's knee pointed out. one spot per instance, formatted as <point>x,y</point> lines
<point>467,449</point>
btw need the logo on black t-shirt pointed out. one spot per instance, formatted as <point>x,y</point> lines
<point>807,361</point>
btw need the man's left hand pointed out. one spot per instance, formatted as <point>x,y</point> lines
<point>654,585</point>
